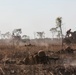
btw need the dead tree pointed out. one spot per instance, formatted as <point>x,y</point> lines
<point>59,25</point>
<point>16,36</point>
<point>58,34</point>
<point>53,30</point>
<point>25,39</point>
<point>6,35</point>
<point>41,35</point>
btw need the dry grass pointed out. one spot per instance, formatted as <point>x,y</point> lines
<point>7,51</point>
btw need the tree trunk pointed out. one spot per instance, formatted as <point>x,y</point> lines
<point>61,37</point>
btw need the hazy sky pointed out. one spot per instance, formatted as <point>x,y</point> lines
<point>36,15</point>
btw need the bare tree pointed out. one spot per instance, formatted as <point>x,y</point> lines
<point>16,36</point>
<point>6,35</point>
<point>2,36</point>
<point>59,34</point>
<point>26,38</point>
<point>53,30</point>
<point>59,25</point>
<point>41,35</point>
<point>16,32</point>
